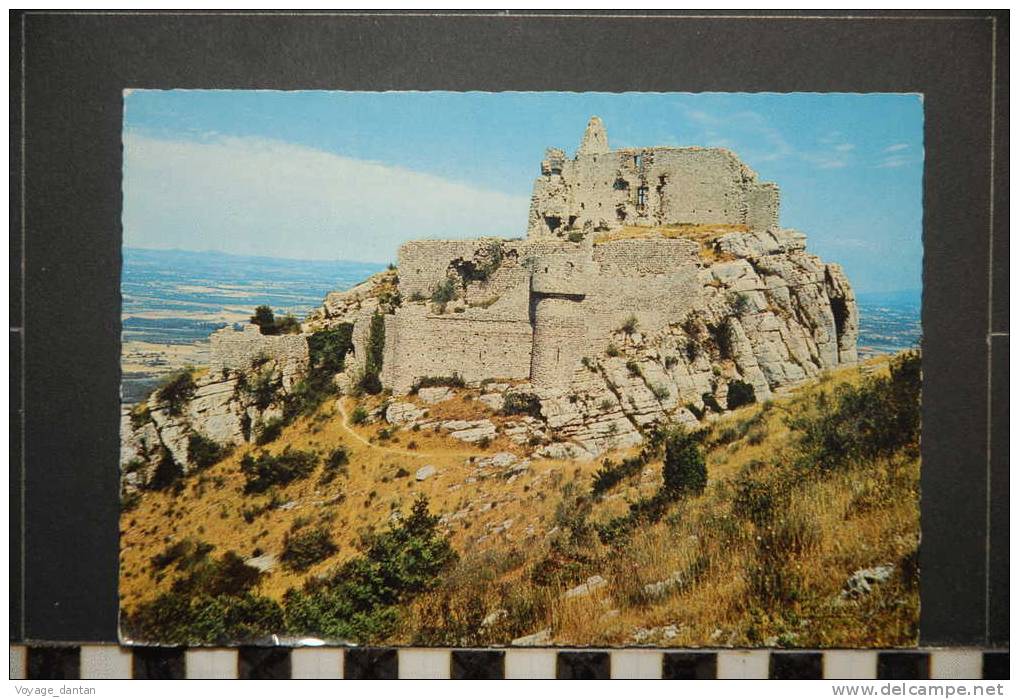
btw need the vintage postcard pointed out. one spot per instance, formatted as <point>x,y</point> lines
<point>521,369</point>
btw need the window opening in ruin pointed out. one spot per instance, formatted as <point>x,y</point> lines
<point>641,196</point>
<point>638,160</point>
<point>620,184</point>
<point>553,223</point>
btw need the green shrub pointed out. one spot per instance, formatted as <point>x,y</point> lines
<point>262,386</point>
<point>612,473</point>
<point>264,318</point>
<point>270,430</point>
<point>358,416</point>
<point>269,324</point>
<point>740,393</point>
<point>186,553</point>
<point>327,351</point>
<point>287,325</point>
<point>522,404</point>
<point>857,424</point>
<point>454,381</point>
<point>660,391</point>
<point>612,350</point>
<point>304,549</point>
<point>671,362</point>
<point>335,464</point>
<point>629,325</point>
<point>391,298</point>
<point>684,470</point>
<point>755,499</point>
<point>176,390</point>
<point>575,236</point>
<point>643,512</point>
<point>265,470</point>
<point>370,383</point>
<point>212,605</point>
<point>634,368</point>
<point>204,452</point>
<point>444,292</point>
<point>361,600</point>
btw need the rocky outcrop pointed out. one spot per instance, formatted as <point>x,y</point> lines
<point>222,408</point>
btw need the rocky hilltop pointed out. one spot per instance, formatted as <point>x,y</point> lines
<point>653,285</point>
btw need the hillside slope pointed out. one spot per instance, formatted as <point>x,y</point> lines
<point>790,543</point>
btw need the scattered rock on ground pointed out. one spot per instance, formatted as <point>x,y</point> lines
<point>595,582</point>
<point>265,563</point>
<point>540,638</point>
<point>403,413</point>
<point>435,394</point>
<point>861,581</point>
<point>424,472</point>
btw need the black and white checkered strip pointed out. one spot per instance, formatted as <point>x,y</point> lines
<point>114,662</point>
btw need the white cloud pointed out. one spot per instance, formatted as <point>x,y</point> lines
<point>895,147</point>
<point>844,147</point>
<point>262,197</point>
<point>895,161</point>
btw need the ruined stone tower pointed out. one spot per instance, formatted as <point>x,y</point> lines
<point>595,139</point>
<point>604,189</point>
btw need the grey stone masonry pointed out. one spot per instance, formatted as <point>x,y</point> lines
<point>602,189</point>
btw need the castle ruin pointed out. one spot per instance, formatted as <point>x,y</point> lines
<point>649,283</point>
<point>600,189</point>
<point>548,301</point>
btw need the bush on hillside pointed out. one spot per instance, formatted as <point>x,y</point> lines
<point>302,550</point>
<point>684,471</point>
<point>269,324</point>
<point>204,452</point>
<point>859,423</point>
<point>361,600</point>
<point>522,404</point>
<point>176,390</point>
<point>265,470</point>
<point>212,605</point>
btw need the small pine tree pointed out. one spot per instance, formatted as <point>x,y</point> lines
<point>264,318</point>
<point>684,470</point>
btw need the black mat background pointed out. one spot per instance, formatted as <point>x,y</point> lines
<point>65,241</point>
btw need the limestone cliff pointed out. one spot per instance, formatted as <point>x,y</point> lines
<point>232,402</point>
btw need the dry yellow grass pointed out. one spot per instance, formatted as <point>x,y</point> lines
<point>502,529</point>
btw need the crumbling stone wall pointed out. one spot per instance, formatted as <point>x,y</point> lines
<point>578,311</point>
<point>238,350</point>
<point>478,346</point>
<point>602,189</point>
<point>557,303</point>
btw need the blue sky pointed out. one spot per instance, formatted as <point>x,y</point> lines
<point>344,175</point>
